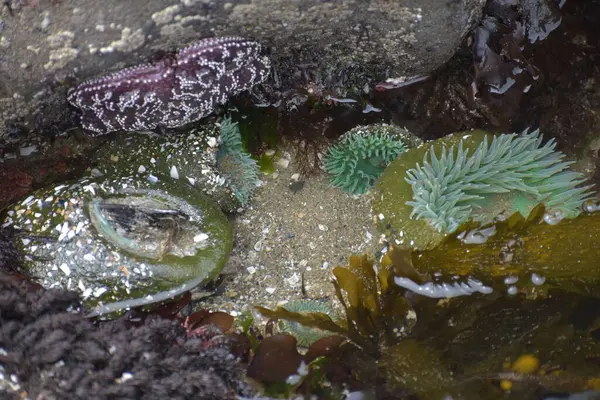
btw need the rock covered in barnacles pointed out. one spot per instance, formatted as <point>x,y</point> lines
<point>185,160</point>
<point>173,91</point>
<point>195,158</point>
<point>121,241</point>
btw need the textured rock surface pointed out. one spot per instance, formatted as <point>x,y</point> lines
<point>328,46</point>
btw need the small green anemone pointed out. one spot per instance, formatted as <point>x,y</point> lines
<point>362,154</point>
<point>306,335</point>
<point>239,169</point>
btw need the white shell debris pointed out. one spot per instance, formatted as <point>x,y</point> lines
<point>270,290</point>
<point>200,237</point>
<point>282,162</point>
<point>100,291</point>
<point>477,236</point>
<point>65,269</point>
<point>25,151</point>
<point>553,218</point>
<point>174,173</point>
<point>443,290</point>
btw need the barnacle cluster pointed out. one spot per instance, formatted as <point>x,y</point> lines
<point>362,153</point>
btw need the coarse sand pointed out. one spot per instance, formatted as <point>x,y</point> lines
<point>289,238</point>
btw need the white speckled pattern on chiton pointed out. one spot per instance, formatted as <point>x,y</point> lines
<point>171,92</point>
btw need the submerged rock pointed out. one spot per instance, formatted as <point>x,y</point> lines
<point>195,158</point>
<point>121,241</point>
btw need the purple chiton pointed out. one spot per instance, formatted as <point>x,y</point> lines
<point>173,91</point>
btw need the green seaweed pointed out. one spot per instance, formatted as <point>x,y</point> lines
<point>266,163</point>
<point>305,336</point>
<point>566,253</point>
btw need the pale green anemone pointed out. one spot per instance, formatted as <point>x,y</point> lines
<point>306,335</point>
<point>429,191</point>
<point>362,153</point>
<point>239,169</point>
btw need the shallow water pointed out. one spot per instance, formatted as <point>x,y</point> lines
<point>290,238</point>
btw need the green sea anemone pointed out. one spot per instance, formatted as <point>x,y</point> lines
<point>362,154</point>
<point>475,176</point>
<point>238,168</point>
<point>306,335</point>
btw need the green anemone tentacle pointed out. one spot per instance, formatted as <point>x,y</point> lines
<point>361,155</point>
<point>450,187</point>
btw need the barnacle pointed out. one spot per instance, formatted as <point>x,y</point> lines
<point>451,187</point>
<point>239,169</point>
<point>362,154</point>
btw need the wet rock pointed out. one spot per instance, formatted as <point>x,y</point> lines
<point>183,159</point>
<point>122,241</point>
<point>327,47</point>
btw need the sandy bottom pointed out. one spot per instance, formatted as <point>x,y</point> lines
<point>287,242</point>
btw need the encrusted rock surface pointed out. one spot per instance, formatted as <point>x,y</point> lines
<point>331,47</point>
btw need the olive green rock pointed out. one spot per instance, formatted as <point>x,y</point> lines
<point>187,159</point>
<point>121,242</point>
<point>430,191</point>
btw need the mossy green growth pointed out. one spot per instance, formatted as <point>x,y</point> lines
<point>121,242</point>
<point>362,153</point>
<point>430,190</point>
